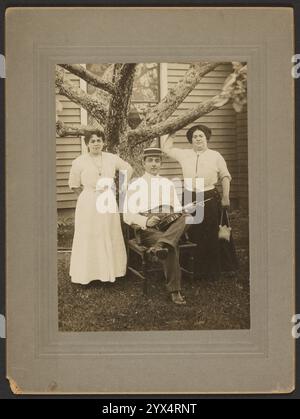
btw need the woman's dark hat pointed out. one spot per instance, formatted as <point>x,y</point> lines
<point>152,151</point>
<point>200,127</point>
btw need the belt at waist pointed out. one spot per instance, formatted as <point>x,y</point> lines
<point>90,189</point>
<point>206,188</point>
<point>211,193</point>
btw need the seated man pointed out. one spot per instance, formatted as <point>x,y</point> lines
<point>148,200</point>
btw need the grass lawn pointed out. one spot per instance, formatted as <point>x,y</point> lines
<point>219,305</point>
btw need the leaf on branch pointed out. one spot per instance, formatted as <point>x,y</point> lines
<point>236,65</point>
<point>235,87</point>
<point>229,83</point>
<point>237,106</point>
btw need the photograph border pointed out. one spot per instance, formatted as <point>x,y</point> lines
<point>231,347</point>
<point>232,342</point>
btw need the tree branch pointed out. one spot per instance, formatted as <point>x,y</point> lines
<point>64,130</point>
<point>117,121</point>
<point>94,106</point>
<point>142,134</point>
<point>89,77</point>
<point>175,96</point>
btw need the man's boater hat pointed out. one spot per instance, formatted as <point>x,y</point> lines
<point>152,152</point>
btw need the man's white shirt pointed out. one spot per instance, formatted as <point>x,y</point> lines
<point>147,193</point>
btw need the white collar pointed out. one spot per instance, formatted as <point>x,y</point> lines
<point>150,176</point>
<point>198,153</point>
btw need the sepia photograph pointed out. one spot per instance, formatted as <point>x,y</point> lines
<point>152,196</point>
<point>150,200</point>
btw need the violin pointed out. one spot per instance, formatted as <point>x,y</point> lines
<point>168,216</point>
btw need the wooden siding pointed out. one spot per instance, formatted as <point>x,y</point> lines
<point>223,121</point>
<point>67,149</point>
<point>242,157</point>
<point>229,134</point>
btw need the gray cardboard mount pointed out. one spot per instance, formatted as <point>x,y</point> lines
<point>42,360</point>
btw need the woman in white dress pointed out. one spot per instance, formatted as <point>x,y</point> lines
<point>98,251</point>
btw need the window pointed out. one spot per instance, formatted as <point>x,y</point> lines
<point>145,88</point>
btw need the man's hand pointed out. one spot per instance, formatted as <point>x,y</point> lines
<point>189,208</point>
<point>225,202</point>
<point>152,221</point>
<point>123,188</point>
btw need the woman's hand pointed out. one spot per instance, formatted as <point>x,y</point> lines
<point>77,191</point>
<point>167,142</point>
<point>101,189</point>
<point>152,221</point>
<point>225,202</point>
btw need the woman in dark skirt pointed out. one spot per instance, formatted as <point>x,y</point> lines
<point>200,162</point>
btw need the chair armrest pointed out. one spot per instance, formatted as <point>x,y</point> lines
<point>136,230</point>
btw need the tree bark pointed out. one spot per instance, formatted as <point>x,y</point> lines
<point>141,134</point>
<point>89,77</point>
<point>130,142</point>
<point>76,95</point>
<point>176,95</point>
<point>64,130</point>
<point>117,120</point>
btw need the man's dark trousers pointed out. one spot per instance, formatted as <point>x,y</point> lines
<point>170,239</point>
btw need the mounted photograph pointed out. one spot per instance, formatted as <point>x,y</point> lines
<point>152,196</point>
<point>150,189</point>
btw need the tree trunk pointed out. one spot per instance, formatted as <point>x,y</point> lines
<point>110,106</point>
<point>134,155</point>
<point>117,121</point>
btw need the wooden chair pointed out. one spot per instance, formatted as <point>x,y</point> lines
<point>139,264</point>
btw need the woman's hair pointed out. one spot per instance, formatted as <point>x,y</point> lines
<point>97,132</point>
<point>199,127</point>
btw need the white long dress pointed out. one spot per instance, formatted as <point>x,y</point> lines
<point>98,251</point>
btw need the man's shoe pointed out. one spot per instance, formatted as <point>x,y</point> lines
<point>157,252</point>
<point>181,296</point>
<point>177,298</point>
<point>161,252</point>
